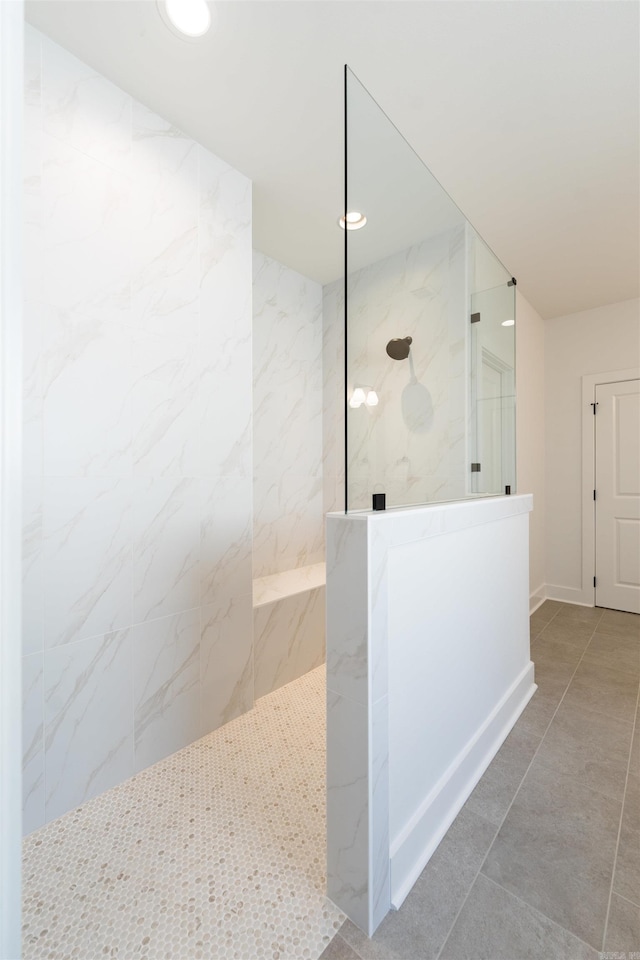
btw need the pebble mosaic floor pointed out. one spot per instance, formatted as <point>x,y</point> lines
<point>217,852</point>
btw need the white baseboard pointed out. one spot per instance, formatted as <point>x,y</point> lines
<point>537,598</point>
<point>583,598</point>
<point>414,845</point>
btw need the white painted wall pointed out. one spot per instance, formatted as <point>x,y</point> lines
<point>530,432</point>
<point>603,339</point>
<point>137,436</point>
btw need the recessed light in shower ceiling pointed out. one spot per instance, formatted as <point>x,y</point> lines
<point>187,18</point>
<point>354,220</point>
<point>508,323</point>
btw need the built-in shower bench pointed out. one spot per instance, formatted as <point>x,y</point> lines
<point>288,626</point>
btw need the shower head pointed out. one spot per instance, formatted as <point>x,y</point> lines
<point>398,348</point>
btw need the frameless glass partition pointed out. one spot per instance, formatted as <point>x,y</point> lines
<point>429,330</point>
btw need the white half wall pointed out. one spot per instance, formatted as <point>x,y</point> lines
<point>428,668</point>
<point>605,339</point>
<point>530,438</point>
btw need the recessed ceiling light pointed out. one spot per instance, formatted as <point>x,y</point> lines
<point>508,323</point>
<point>190,18</point>
<point>354,220</point>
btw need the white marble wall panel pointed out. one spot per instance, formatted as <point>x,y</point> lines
<point>86,219</point>
<point>166,686</point>
<point>348,807</point>
<point>83,109</point>
<point>33,796</point>
<point>164,407</point>
<point>225,233</point>
<point>137,434</point>
<point>225,397</point>
<point>347,614</point>
<point>287,418</point>
<point>86,557</point>
<point>288,638</point>
<point>89,358</point>
<point>165,210</point>
<point>166,548</point>
<point>225,320</point>
<point>333,396</point>
<point>288,523</point>
<point>225,568</point>
<point>88,729</point>
<point>226,661</point>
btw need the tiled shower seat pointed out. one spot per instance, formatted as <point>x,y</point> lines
<point>288,626</point>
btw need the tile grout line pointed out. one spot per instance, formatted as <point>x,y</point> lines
<point>529,906</point>
<point>479,871</point>
<point>624,797</point>
<point>627,900</point>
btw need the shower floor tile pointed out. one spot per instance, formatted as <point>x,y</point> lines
<point>217,852</point>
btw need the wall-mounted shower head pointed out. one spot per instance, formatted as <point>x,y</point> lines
<point>398,348</point>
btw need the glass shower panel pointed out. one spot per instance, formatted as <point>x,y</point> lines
<point>406,313</point>
<point>429,403</point>
<point>492,373</point>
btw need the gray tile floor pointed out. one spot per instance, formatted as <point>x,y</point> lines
<point>543,861</point>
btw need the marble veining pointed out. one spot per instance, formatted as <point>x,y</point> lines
<point>137,508</point>
<point>226,661</point>
<point>87,558</point>
<point>88,735</point>
<point>166,677</point>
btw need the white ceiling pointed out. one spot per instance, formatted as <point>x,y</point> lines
<point>527,111</point>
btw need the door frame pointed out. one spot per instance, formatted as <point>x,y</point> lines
<point>587,593</point>
<point>11,113</point>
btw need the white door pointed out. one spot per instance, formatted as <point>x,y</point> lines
<point>617,505</point>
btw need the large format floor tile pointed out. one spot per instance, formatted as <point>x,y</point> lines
<point>626,879</point>
<point>556,849</point>
<point>617,653</point>
<point>590,748</point>
<point>563,787</point>
<point>611,692</point>
<point>420,927</point>
<point>620,624</point>
<point>623,928</point>
<point>495,791</point>
<point>494,925</point>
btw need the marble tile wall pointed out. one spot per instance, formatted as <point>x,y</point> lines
<point>137,436</point>
<point>288,525</point>
<point>412,445</point>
